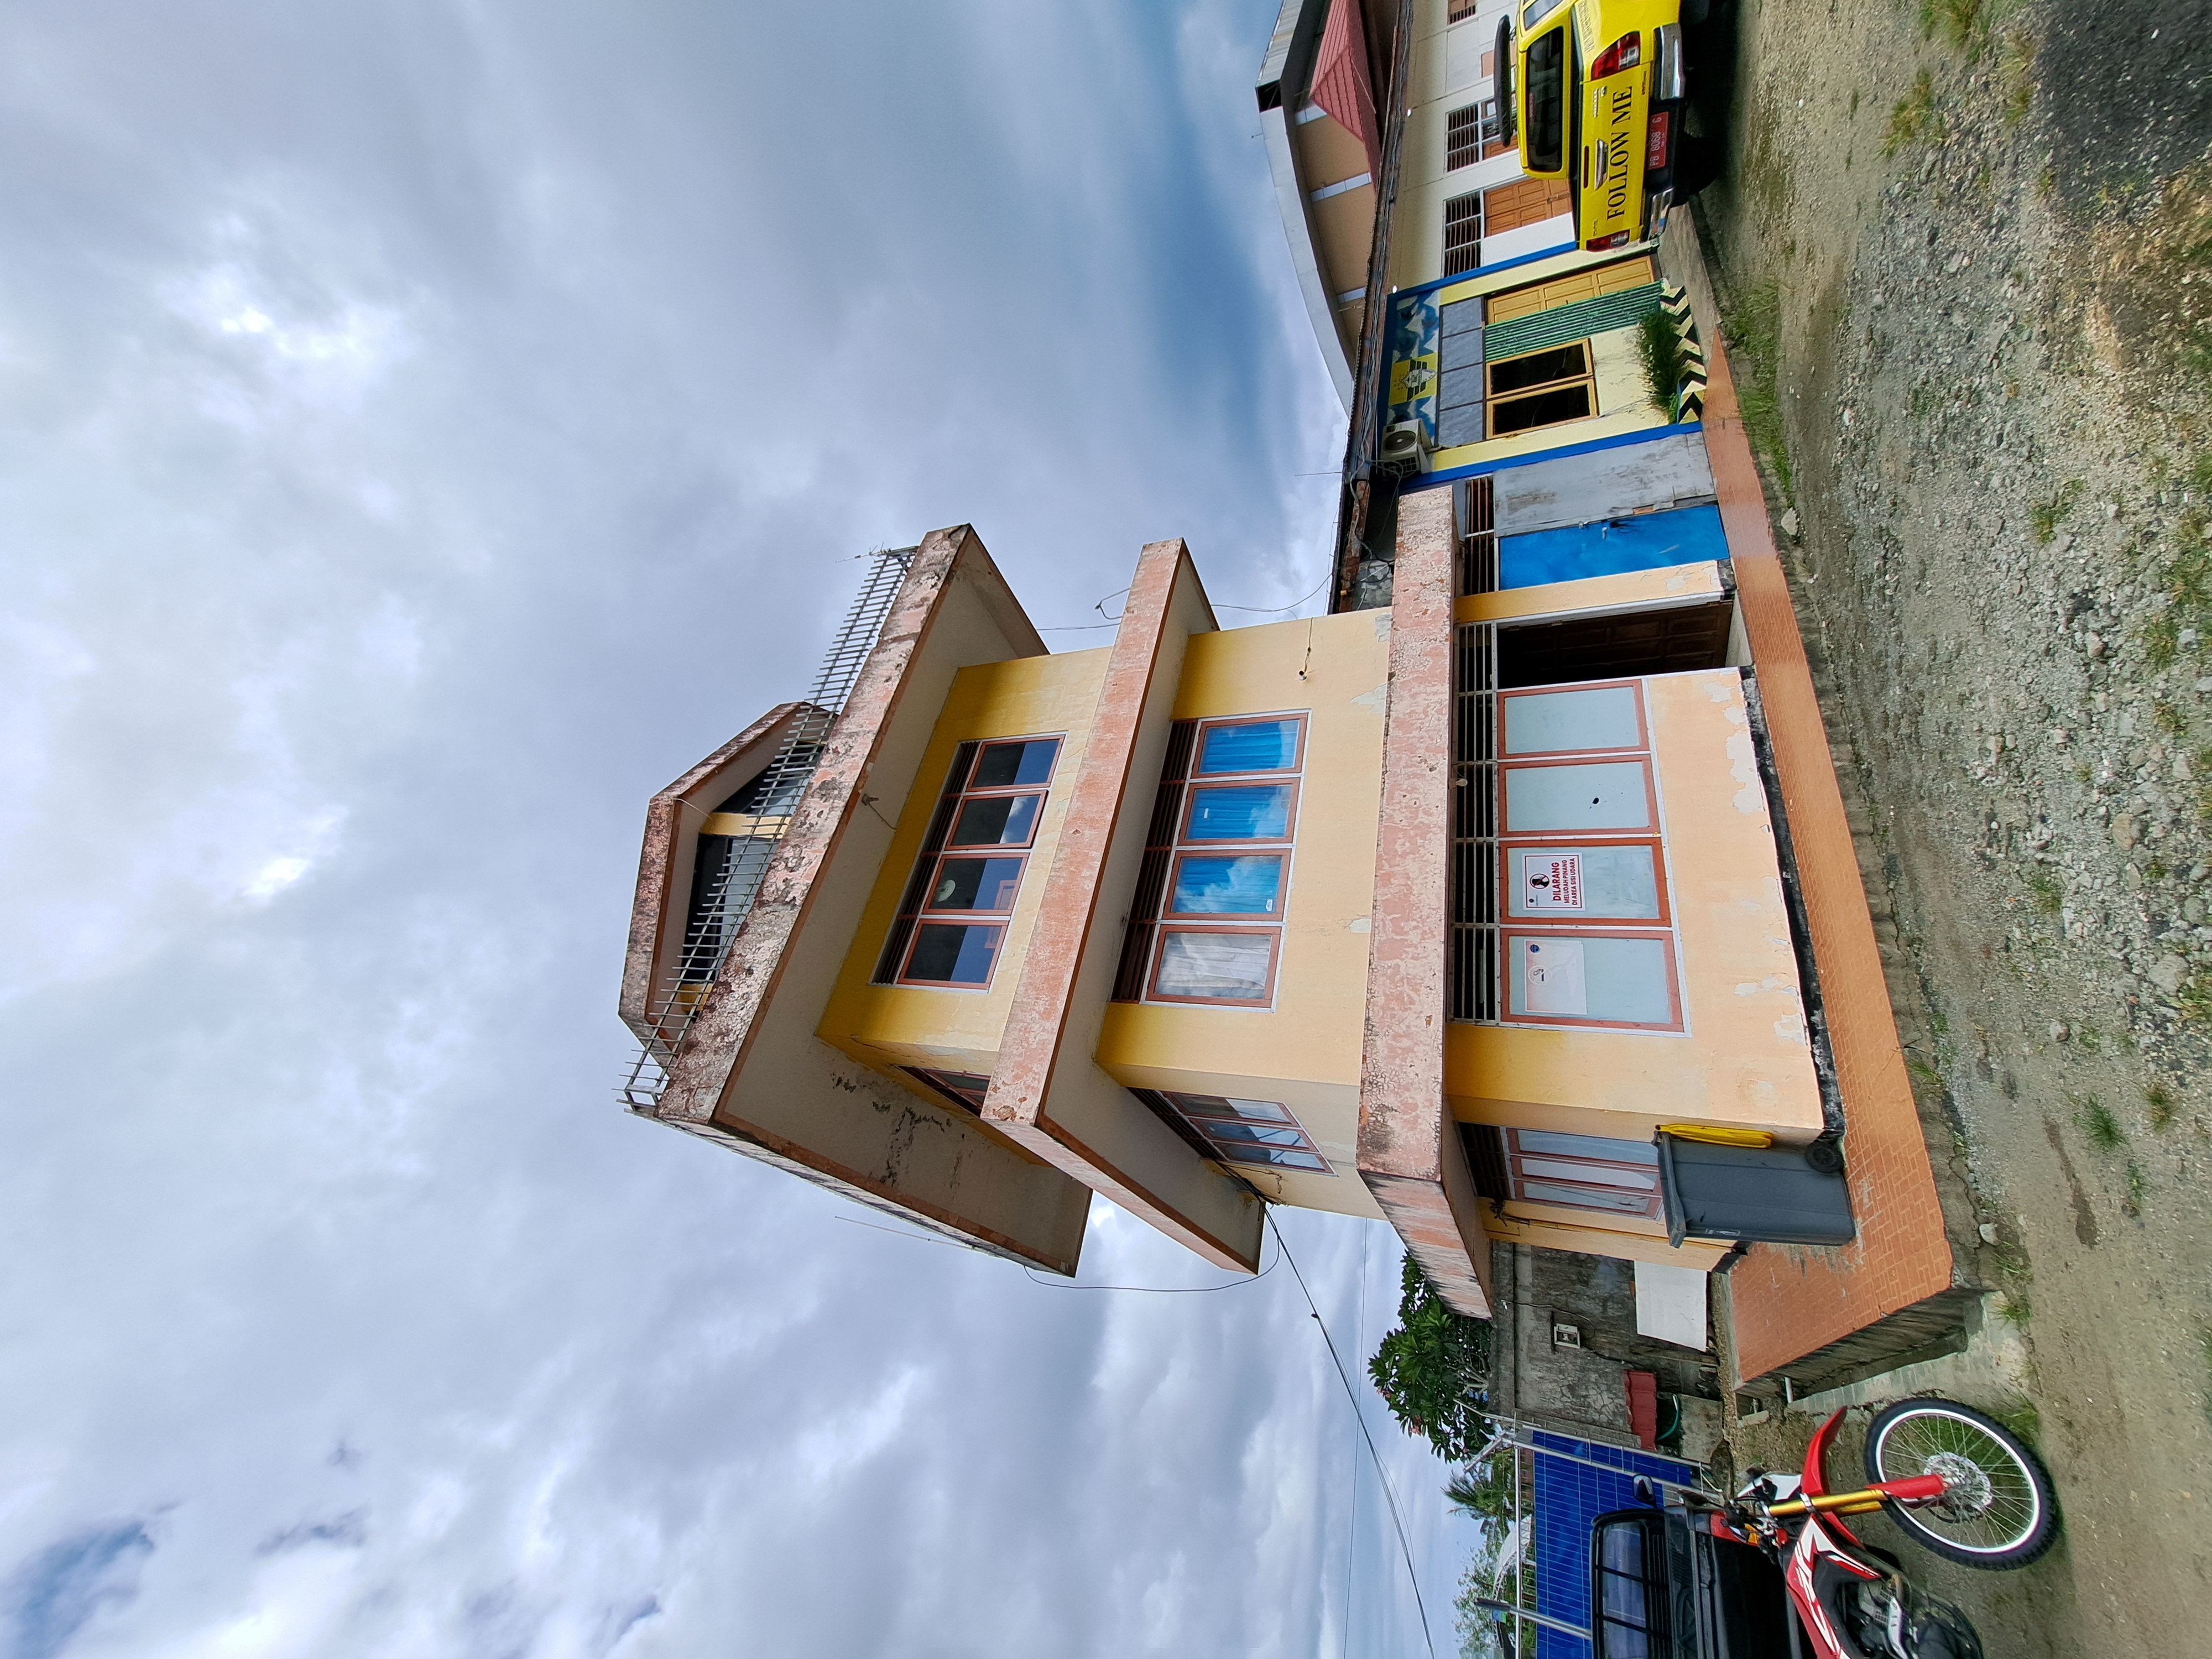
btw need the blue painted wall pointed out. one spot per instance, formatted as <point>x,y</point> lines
<point>1650,541</point>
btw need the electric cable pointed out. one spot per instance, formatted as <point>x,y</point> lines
<point>1389,1492</point>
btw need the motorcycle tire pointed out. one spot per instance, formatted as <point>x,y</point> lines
<point>2006,1514</point>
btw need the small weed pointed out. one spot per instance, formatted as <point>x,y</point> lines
<point>2195,998</point>
<point>2157,870</point>
<point>2161,642</point>
<point>2046,516</point>
<point>1914,119</point>
<point>2095,1119</point>
<point>1754,331</point>
<point>2138,1184</point>
<point>2014,1308</point>
<point>2088,1039</point>
<point>2050,896</point>
<point>2170,720</point>
<point>2158,1106</point>
<point>1854,103</point>
<point>1960,19</point>
<point>2018,76</point>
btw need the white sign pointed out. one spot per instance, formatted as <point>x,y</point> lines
<point>1552,881</point>
<point>1552,977</point>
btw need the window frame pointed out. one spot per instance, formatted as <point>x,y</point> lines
<point>935,1080</point>
<point>1575,920</point>
<point>1651,828</point>
<point>1224,1152</point>
<point>1493,406</point>
<point>1184,853</point>
<point>915,911</point>
<point>1200,778</point>
<point>1517,1178</point>
<point>1669,953</point>
<point>1641,745</point>
<point>1272,932</point>
<point>1239,780</point>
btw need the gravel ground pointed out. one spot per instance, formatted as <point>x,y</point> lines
<point>1967,253</point>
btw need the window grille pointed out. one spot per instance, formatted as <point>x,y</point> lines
<point>1469,132</point>
<point>1478,542</point>
<point>1461,10</point>
<point>1474,988</point>
<point>1462,233</point>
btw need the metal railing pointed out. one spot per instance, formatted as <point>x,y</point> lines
<point>684,986</point>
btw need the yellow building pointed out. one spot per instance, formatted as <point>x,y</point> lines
<point>1212,917</point>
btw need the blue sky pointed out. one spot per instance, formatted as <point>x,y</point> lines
<point>428,429</point>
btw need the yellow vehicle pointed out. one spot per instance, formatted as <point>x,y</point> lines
<point>1597,101</point>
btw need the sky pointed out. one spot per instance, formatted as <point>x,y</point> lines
<point>425,430</point>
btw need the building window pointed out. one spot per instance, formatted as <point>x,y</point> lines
<point>965,1090</point>
<point>952,919</point>
<point>1576,927</point>
<point>1460,10</point>
<point>1583,1172</point>
<point>1462,233</point>
<point>1233,1131</point>
<point>1471,133</point>
<point>1205,922</point>
<point>1541,388</point>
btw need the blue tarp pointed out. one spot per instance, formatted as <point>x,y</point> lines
<point>1568,1497</point>
<point>1649,541</point>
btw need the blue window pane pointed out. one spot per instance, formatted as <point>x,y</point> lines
<point>1252,811</point>
<point>950,954</point>
<point>1254,1111</point>
<point>1243,886</point>
<point>996,821</point>
<point>976,884</point>
<point>1002,765</point>
<point>1258,1135</point>
<point>1274,1156</point>
<point>1250,746</point>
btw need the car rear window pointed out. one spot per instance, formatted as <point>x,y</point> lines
<point>1624,1624</point>
<point>1547,100</point>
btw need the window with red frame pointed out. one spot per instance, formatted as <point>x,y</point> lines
<point>952,919</point>
<point>1205,925</point>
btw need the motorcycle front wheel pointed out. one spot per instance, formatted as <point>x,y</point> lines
<point>1999,1511</point>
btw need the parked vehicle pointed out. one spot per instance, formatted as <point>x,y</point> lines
<point>1776,1573</point>
<point>1596,99</point>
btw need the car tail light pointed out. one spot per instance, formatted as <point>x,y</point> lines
<point>1600,244</point>
<point>1655,147</point>
<point>1623,54</point>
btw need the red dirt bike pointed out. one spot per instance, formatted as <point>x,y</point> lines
<point>1775,1569</point>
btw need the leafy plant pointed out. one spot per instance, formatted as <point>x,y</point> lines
<point>1433,1371</point>
<point>1753,326</point>
<point>1662,343</point>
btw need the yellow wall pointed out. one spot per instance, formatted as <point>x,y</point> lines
<point>890,1025</point>
<point>1634,590</point>
<point>1745,1059</point>
<point>1305,1051</point>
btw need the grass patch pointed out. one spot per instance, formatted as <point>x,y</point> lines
<point>2095,1121</point>
<point>2169,719</point>
<point>1914,119</point>
<point>2018,76</point>
<point>1959,20</point>
<point>1662,350</point>
<point>2138,1184</point>
<point>2050,896</point>
<point>2160,638</point>
<point>2015,1307</point>
<point>2158,1106</point>
<point>2195,998</point>
<point>1754,330</point>
<point>2047,516</point>
<point>2022,1419</point>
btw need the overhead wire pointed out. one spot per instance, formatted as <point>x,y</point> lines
<point>1389,1492</point>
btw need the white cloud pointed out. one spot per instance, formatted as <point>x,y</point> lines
<point>426,433</point>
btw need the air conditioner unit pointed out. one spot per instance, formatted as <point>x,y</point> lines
<point>1404,448</point>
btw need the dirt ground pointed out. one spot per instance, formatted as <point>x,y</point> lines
<point>1966,255</point>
